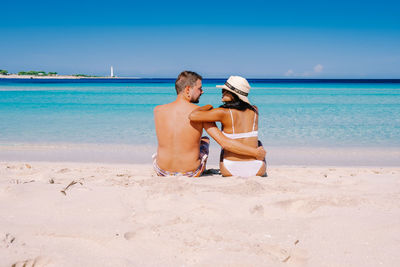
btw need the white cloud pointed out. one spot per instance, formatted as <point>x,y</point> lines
<point>289,73</point>
<point>318,68</point>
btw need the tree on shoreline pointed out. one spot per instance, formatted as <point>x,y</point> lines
<point>83,75</point>
<point>42,73</point>
<point>37,73</point>
<point>32,72</point>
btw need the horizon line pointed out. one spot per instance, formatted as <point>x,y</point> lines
<point>170,79</point>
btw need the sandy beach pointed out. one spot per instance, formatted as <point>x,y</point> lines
<point>93,214</point>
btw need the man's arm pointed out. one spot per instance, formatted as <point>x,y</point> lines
<point>233,145</point>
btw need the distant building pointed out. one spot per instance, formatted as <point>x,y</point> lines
<point>112,72</point>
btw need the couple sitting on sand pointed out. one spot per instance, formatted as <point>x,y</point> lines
<point>179,125</point>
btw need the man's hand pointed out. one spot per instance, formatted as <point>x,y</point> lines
<point>260,153</point>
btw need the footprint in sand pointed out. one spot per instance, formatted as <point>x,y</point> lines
<point>129,235</point>
<point>257,210</point>
<point>36,262</point>
<point>64,170</point>
<point>8,240</point>
<point>290,255</point>
<point>309,205</point>
<point>249,187</point>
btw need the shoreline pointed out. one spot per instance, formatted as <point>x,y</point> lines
<point>141,154</point>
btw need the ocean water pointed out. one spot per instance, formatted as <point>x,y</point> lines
<point>301,113</point>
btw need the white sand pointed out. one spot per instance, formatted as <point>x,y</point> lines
<point>121,215</point>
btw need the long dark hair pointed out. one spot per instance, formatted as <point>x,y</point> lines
<point>238,104</point>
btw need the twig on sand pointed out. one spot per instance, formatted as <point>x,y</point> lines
<point>68,186</point>
<point>286,259</point>
<point>290,252</point>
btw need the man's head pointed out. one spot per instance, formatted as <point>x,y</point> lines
<point>189,84</point>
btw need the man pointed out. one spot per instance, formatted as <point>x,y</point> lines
<point>181,149</point>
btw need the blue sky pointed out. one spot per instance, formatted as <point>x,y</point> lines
<point>269,39</point>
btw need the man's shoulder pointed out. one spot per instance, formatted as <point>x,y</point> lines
<point>175,106</point>
<point>192,106</point>
<point>161,107</point>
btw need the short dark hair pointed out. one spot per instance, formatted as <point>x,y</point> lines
<point>186,78</point>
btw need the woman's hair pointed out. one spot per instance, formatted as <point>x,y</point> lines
<point>237,103</point>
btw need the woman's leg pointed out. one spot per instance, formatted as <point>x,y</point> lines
<point>263,169</point>
<point>223,170</point>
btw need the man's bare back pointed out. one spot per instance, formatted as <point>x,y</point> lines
<point>178,138</point>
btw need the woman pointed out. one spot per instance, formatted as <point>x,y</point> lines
<point>239,121</point>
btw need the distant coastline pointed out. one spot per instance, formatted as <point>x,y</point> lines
<point>74,78</point>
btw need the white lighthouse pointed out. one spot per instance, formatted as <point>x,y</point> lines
<point>112,72</point>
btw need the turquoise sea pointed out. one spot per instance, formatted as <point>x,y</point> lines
<point>302,113</point>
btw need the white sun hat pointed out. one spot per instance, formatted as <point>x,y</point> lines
<point>238,86</point>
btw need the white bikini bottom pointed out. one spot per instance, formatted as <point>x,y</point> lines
<point>243,168</point>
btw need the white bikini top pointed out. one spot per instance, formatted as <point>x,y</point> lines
<point>241,135</point>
